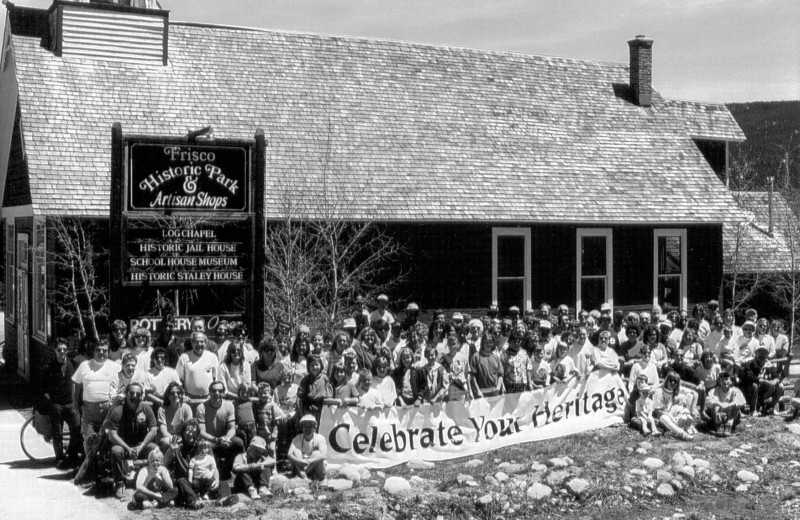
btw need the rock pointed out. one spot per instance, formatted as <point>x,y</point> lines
<point>734,454</point>
<point>380,474</point>
<point>500,477</point>
<point>473,463</point>
<point>515,469</point>
<point>687,471</point>
<point>420,464</point>
<point>627,489</point>
<point>368,492</point>
<point>277,482</point>
<point>663,475</point>
<point>746,447</point>
<point>638,472</point>
<point>419,481</point>
<point>715,478</point>
<point>794,428</point>
<point>490,480</point>
<point>665,490</point>
<point>681,458</point>
<point>611,464</point>
<point>641,451</point>
<point>538,468</point>
<point>701,464</point>
<point>652,463</point>
<point>764,461</point>
<point>539,491</point>
<point>577,486</point>
<point>484,501</point>
<point>322,498</point>
<point>238,506</point>
<point>742,488</point>
<point>339,484</point>
<point>396,485</point>
<point>677,484</point>
<point>365,475</point>
<point>629,449</point>
<point>463,478</point>
<point>287,514</point>
<point>646,445</point>
<point>556,477</point>
<point>350,472</point>
<point>559,462</point>
<point>747,476</point>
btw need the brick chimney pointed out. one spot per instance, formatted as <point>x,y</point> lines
<point>641,49</point>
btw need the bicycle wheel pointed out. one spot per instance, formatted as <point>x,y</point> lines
<point>35,446</point>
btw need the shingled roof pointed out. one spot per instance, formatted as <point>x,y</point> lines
<point>400,131</point>
<point>748,247</point>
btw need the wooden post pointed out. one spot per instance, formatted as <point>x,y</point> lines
<point>259,233</point>
<point>116,237</point>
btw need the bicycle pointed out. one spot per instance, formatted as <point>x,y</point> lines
<point>38,447</point>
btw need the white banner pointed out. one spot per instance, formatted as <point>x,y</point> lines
<point>380,439</point>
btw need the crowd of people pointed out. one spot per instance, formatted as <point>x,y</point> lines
<point>209,411</point>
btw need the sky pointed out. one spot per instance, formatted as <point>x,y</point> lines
<point>704,50</point>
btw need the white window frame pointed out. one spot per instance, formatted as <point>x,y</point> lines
<point>11,269</point>
<point>595,232</point>
<point>505,232</point>
<point>39,285</point>
<point>658,233</point>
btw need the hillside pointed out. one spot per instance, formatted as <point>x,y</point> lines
<point>772,128</point>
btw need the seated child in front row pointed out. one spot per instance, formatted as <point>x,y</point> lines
<point>154,486</point>
<point>203,473</point>
<point>644,411</point>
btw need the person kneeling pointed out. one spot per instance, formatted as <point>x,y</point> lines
<point>723,405</point>
<point>309,450</point>
<point>154,486</point>
<point>253,468</point>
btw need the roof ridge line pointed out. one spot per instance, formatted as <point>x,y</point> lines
<point>367,39</point>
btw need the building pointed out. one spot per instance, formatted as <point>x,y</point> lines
<point>510,178</point>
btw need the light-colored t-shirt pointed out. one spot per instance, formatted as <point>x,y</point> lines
<point>173,420</point>
<point>234,375</point>
<point>203,466</point>
<point>96,379</point>
<point>157,382</point>
<point>216,421</point>
<point>197,373</point>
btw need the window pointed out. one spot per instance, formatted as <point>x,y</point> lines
<point>40,279</point>
<point>11,271</point>
<point>511,267</point>
<point>595,270</point>
<point>669,263</point>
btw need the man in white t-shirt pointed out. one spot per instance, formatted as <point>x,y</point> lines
<point>309,450</point>
<point>198,368</point>
<point>91,390</point>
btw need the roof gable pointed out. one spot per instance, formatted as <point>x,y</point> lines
<point>401,131</point>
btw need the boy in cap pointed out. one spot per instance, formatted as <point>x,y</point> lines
<point>253,468</point>
<point>309,450</point>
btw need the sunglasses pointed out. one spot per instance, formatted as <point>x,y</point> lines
<point>135,394</point>
<point>61,349</point>
<point>217,391</point>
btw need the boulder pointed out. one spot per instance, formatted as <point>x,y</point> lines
<point>559,462</point>
<point>515,469</point>
<point>653,463</point>
<point>396,485</point>
<point>663,475</point>
<point>577,486</point>
<point>742,488</point>
<point>794,428</point>
<point>339,484</point>
<point>465,480</point>
<point>350,472</point>
<point>556,477</point>
<point>539,491</point>
<point>686,471</point>
<point>638,472</point>
<point>490,480</point>
<point>538,468</point>
<point>677,484</point>
<point>500,477</point>
<point>681,458</point>
<point>277,482</point>
<point>646,445</point>
<point>641,451</point>
<point>627,489</point>
<point>484,501</point>
<point>611,464</point>
<point>701,464</point>
<point>747,476</point>
<point>665,490</point>
<point>473,463</point>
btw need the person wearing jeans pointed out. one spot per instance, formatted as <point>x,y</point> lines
<point>58,377</point>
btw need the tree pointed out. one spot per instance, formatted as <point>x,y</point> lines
<point>786,285</point>
<point>326,249</point>
<point>79,298</point>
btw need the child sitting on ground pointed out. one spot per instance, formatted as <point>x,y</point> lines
<point>644,410</point>
<point>203,473</point>
<point>154,486</point>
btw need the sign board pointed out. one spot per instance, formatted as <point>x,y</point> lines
<point>182,177</point>
<point>160,252</point>
<point>184,217</point>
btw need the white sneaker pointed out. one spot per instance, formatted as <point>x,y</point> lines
<point>252,493</point>
<point>148,504</point>
<point>265,492</point>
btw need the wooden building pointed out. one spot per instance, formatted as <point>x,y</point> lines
<point>510,178</point>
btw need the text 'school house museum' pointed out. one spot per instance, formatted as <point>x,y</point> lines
<point>510,178</point>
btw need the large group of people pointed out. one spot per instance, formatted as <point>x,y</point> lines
<point>217,415</point>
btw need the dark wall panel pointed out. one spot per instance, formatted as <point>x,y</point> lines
<point>553,265</point>
<point>17,192</point>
